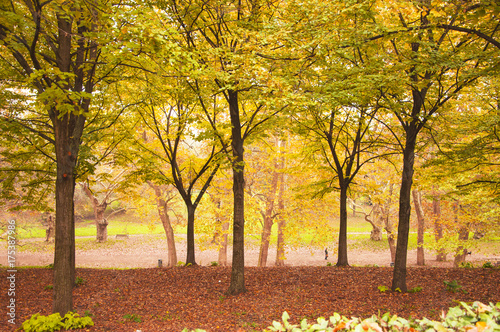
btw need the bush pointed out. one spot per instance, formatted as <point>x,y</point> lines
<point>477,317</point>
<point>54,322</point>
<point>466,318</point>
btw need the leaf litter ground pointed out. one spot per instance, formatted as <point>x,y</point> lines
<point>170,299</point>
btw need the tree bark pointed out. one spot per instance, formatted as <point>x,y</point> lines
<point>190,255</point>
<point>399,274</point>
<point>342,247</point>
<point>267,215</point>
<point>463,235</point>
<point>99,208</point>
<point>162,207</point>
<point>280,220</point>
<point>421,226</point>
<point>67,148</point>
<point>237,285</point>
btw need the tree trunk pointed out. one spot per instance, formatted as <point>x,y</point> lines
<point>463,235</point>
<point>49,232</point>
<point>169,232</point>
<point>101,223</point>
<point>237,285</point>
<point>391,240</point>
<point>222,257</point>
<point>268,220</point>
<point>417,196</point>
<point>67,129</point>
<point>162,207</point>
<point>399,274</point>
<point>280,220</point>
<point>342,252</point>
<point>190,256</point>
<point>438,227</point>
<point>264,242</point>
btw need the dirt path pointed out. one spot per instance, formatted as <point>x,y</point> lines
<point>145,251</point>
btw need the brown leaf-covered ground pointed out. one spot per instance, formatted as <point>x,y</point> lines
<point>170,299</point>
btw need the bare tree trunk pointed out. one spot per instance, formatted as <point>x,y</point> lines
<point>222,257</point>
<point>342,252</point>
<point>267,215</point>
<point>280,245</point>
<point>49,232</point>
<point>417,201</point>
<point>162,206</point>
<point>438,227</point>
<point>99,208</point>
<point>237,285</point>
<point>399,274</point>
<point>463,235</point>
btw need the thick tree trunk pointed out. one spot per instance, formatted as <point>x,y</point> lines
<point>399,274</point>
<point>438,227</point>
<point>101,223</point>
<point>190,256</point>
<point>237,285</point>
<point>267,215</point>
<point>342,252</point>
<point>421,226</point>
<point>64,256</point>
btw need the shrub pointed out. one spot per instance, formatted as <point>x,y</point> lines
<point>466,318</point>
<point>477,317</point>
<point>54,322</point>
<point>488,265</point>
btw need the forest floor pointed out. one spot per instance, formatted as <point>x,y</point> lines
<point>147,298</point>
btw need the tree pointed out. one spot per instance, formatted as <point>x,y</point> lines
<point>224,38</point>
<point>53,54</point>
<point>164,198</point>
<point>191,165</point>
<point>437,65</point>
<point>101,196</point>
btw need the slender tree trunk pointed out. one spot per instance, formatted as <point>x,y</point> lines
<point>399,274</point>
<point>342,252</point>
<point>438,227</point>
<point>50,229</point>
<point>280,245</point>
<point>169,232</point>
<point>162,207</point>
<point>190,256</point>
<point>237,285</point>
<point>222,257</point>
<point>268,219</point>
<point>463,235</point>
<point>264,242</point>
<point>417,196</point>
